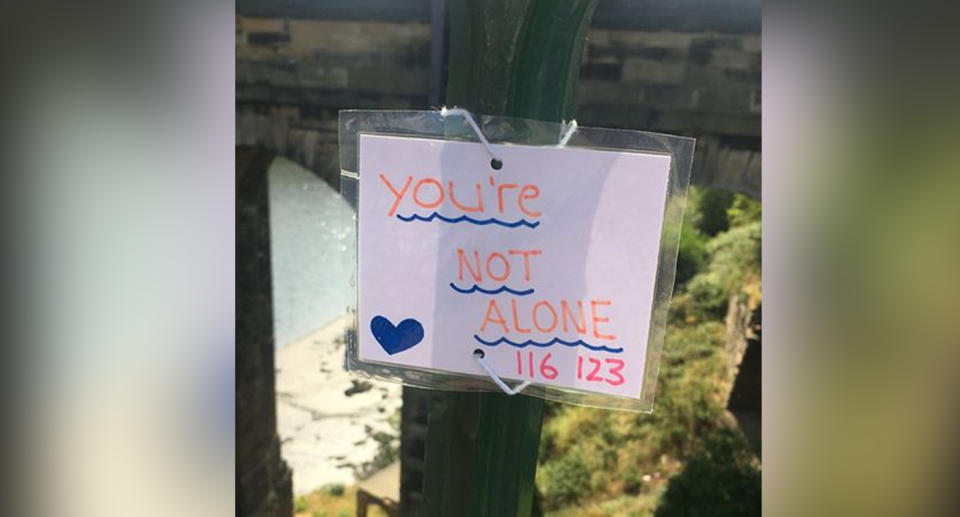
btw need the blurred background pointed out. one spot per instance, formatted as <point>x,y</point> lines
<point>687,68</point>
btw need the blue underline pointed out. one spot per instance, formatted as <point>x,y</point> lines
<point>529,342</point>
<point>468,219</point>
<point>499,290</point>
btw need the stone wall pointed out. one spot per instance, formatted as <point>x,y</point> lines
<point>263,483</point>
<point>688,83</point>
<point>293,75</point>
<point>700,84</point>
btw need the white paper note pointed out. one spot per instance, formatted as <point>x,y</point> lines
<point>548,265</point>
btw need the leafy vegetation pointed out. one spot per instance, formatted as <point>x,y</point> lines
<point>567,479</point>
<point>743,211</point>
<point>599,462</point>
<point>721,479</point>
<point>327,503</point>
<point>692,253</point>
<point>713,206</point>
<point>334,489</point>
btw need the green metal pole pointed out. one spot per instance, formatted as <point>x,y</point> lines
<point>517,58</point>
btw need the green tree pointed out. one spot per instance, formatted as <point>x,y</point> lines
<point>720,480</point>
<point>743,211</point>
<point>692,253</point>
<point>713,205</point>
<point>566,480</point>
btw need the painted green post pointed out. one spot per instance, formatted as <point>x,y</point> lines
<point>519,58</point>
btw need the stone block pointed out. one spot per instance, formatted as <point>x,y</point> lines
<point>389,80</point>
<point>594,91</point>
<point>319,75</point>
<point>750,42</point>
<point>704,75</point>
<point>653,71</point>
<point>633,40</point>
<point>601,71</point>
<point>734,59</point>
<point>257,24</point>
<point>356,37</point>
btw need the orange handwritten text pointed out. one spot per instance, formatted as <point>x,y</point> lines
<point>430,193</point>
<point>544,316</point>
<point>496,265</point>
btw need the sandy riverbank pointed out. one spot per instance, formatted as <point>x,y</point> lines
<point>323,431</point>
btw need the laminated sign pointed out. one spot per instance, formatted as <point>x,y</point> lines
<point>545,259</point>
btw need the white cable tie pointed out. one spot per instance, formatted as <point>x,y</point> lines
<point>478,355</point>
<point>571,128</point>
<point>445,111</point>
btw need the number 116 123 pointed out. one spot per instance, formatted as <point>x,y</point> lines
<point>590,369</point>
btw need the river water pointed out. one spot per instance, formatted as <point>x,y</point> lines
<point>326,425</point>
<point>310,227</point>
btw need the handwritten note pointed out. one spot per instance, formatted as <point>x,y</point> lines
<point>548,264</point>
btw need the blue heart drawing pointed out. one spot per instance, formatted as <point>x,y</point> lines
<point>395,339</point>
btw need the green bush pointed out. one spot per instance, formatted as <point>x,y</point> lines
<point>610,450</point>
<point>734,258</point>
<point>706,216</point>
<point>692,253</point>
<point>565,481</point>
<point>708,297</point>
<point>600,481</point>
<point>548,445</point>
<point>300,504</point>
<point>632,482</point>
<point>743,211</point>
<point>691,212</point>
<point>684,346</point>
<point>334,489</point>
<point>713,205</point>
<point>680,308</point>
<point>688,401</point>
<point>719,480</point>
<point>734,254</point>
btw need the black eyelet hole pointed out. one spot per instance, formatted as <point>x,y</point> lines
<point>478,353</point>
<point>496,164</point>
